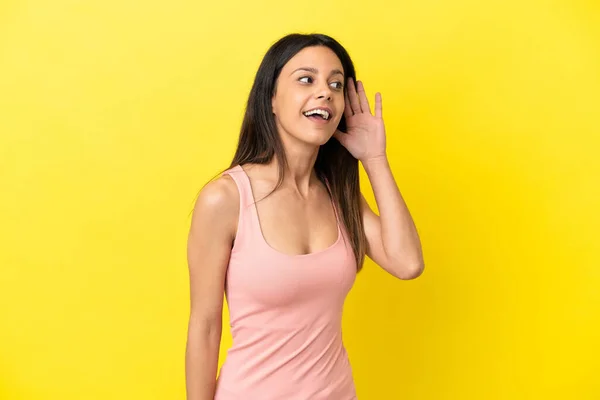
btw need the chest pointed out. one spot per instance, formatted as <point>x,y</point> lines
<point>293,225</point>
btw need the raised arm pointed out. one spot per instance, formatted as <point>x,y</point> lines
<point>392,238</point>
<point>393,241</point>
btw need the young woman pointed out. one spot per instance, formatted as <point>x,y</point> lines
<point>284,230</point>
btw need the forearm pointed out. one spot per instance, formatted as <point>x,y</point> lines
<point>399,235</point>
<point>201,360</point>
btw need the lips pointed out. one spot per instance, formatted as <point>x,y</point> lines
<point>323,113</point>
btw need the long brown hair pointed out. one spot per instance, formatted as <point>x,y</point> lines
<point>259,140</point>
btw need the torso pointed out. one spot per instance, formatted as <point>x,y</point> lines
<point>285,294</point>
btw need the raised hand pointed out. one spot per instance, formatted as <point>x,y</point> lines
<point>365,138</point>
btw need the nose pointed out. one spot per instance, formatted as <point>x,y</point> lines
<point>324,92</point>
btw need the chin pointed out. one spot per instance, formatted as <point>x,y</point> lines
<point>313,135</point>
<point>319,135</point>
<point>316,137</point>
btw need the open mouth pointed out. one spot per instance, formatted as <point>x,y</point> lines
<point>318,114</point>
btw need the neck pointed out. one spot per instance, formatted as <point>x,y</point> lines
<point>299,174</point>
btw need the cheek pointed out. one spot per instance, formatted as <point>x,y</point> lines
<point>291,106</point>
<point>289,113</point>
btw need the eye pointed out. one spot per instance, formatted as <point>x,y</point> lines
<point>339,86</point>
<point>305,77</point>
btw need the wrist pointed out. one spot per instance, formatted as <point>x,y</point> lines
<point>374,161</point>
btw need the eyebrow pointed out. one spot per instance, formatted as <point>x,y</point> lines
<point>316,71</point>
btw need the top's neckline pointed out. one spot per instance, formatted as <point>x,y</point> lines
<point>262,237</point>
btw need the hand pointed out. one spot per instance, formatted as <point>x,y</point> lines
<point>365,138</point>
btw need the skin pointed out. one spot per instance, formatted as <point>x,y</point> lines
<point>310,79</point>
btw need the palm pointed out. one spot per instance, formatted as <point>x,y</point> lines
<point>365,136</point>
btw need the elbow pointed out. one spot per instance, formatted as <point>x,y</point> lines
<point>204,325</point>
<point>408,271</point>
<point>411,273</point>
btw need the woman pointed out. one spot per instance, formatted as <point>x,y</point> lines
<point>284,230</point>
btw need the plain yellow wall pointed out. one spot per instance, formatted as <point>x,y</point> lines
<point>113,114</point>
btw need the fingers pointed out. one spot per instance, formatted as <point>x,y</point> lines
<point>347,107</point>
<point>353,96</point>
<point>378,105</point>
<point>356,100</point>
<point>362,98</point>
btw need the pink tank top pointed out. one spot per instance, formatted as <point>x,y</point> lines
<point>285,315</point>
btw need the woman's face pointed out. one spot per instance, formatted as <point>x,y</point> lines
<point>309,95</point>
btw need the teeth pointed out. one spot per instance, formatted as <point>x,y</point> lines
<point>324,113</point>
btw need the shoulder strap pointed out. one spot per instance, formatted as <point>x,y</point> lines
<point>237,174</point>
<point>242,182</point>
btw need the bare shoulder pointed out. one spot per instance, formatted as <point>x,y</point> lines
<point>217,206</point>
<point>217,194</point>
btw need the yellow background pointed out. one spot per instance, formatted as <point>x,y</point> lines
<point>114,113</point>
